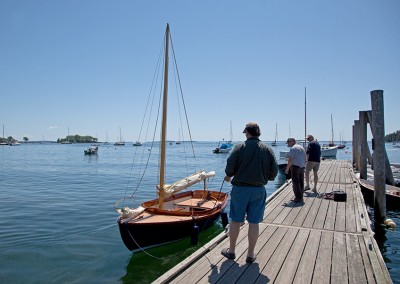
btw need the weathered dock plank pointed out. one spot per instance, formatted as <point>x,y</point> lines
<point>318,241</point>
<point>292,259</point>
<point>322,270</point>
<point>339,259</point>
<point>355,265</point>
<point>306,266</point>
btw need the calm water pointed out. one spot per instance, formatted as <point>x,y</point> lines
<point>58,223</point>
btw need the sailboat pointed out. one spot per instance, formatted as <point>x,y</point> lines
<point>3,140</point>
<point>330,150</point>
<point>332,142</point>
<point>276,135</point>
<point>120,142</point>
<point>326,151</point>
<point>106,143</point>
<point>342,144</point>
<point>173,214</point>
<point>66,141</point>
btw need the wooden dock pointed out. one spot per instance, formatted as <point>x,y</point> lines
<point>319,241</point>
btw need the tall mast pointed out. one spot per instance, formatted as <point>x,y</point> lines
<point>164,122</point>
<point>332,129</point>
<point>305,114</point>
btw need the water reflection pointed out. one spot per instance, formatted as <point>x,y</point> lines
<point>145,267</point>
<point>280,179</point>
<point>388,240</point>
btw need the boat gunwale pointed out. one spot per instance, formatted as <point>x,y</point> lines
<point>221,200</point>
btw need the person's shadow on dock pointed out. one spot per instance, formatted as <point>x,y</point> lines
<point>215,275</point>
<point>231,266</point>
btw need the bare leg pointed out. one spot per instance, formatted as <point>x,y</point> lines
<point>315,179</point>
<point>252,237</point>
<point>307,178</point>
<point>234,228</point>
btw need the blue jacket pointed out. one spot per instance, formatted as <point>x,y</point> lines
<point>314,151</point>
<point>251,163</point>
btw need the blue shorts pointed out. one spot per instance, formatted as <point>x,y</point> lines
<point>250,200</point>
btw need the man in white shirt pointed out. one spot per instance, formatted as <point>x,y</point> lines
<point>296,163</point>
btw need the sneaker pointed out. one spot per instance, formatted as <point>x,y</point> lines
<point>314,190</point>
<point>307,188</point>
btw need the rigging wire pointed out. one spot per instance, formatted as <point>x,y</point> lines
<point>183,100</point>
<point>149,103</point>
<point>152,94</point>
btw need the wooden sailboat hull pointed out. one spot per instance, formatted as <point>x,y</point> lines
<point>182,212</point>
<point>392,194</point>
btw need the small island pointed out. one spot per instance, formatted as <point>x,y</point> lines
<point>77,139</point>
<point>11,141</point>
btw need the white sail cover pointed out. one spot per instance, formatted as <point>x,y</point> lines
<point>186,182</point>
<point>126,212</point>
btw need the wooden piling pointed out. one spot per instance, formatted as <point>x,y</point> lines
<point>389,174</point>
<point>378,129</point>
<point>363,144</point>
<point>356,143</point>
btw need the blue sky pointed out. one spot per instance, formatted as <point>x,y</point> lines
<point>88,65</point>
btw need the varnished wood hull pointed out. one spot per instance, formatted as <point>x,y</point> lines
<point>155,227</point>
<point>392,194</point>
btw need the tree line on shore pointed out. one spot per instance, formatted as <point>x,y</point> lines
<point>11,140</point>
<point>393,137</point>
<point>78,139</point>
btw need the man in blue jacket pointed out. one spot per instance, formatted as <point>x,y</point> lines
<point>251,164</point>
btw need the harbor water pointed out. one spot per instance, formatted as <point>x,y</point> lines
<point>58,223</point>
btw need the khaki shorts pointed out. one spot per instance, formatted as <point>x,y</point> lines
<point>312,166</point>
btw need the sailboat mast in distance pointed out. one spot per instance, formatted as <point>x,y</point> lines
<point>276,135</point>
<point>332,129</point>
<point>305,114</point>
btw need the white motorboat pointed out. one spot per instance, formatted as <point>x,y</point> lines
<point>91,150</point>
<point>328,152</point>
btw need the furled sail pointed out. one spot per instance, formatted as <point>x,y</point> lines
<point>128,214</point>
<point>184,183</point>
